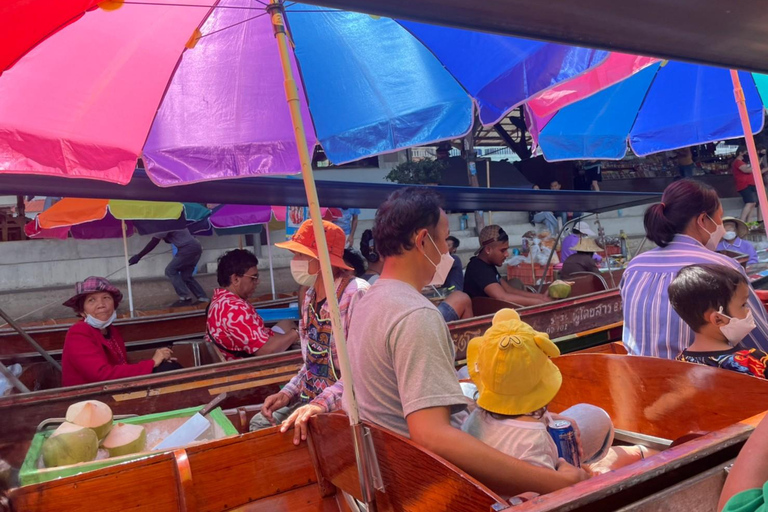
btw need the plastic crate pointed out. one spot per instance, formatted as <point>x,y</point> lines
<point>32,473</point>
<point>525,271</point>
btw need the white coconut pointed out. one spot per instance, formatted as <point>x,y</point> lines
<point>125,439</point>
<point>70,444</point>
<point>91,414</point>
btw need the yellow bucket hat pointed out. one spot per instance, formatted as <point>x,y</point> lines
<point>511,368</point>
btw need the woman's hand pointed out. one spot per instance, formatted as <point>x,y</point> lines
<point>273,403</point>
<point>162,354</point>
<point>299,419</point>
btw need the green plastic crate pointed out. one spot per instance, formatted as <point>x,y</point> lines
<point>31,473</point>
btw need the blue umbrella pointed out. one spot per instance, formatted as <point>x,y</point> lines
<point>666,106</point>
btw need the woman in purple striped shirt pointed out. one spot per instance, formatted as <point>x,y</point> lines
<point>687,226</point>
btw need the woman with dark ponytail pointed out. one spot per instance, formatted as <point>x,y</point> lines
<point>686,225</point>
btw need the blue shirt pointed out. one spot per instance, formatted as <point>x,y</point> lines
<point>345,221</point>
<point>651,326</point>
<point>739,245</point>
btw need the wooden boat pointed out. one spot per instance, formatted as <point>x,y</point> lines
<point>679,407</point>
<point>247,382</point>
<point>140,331</point>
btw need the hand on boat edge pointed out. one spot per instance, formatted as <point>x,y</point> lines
<point>299,420</point>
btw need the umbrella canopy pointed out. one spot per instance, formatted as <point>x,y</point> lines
<point>667,105</point>
<point>102,218</point>
<point>216,110</point>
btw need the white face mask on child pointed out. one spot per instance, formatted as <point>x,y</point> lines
<point>737,328</point>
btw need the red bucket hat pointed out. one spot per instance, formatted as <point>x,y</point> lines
<point>92,285</point>
<point>303,242</point>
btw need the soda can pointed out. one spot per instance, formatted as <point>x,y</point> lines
<point>564,435</point>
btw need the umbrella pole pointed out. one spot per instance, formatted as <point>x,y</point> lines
<point>754,160</point>
<point>127,267</point>
<point>364,463</point>
<point>271,271</point>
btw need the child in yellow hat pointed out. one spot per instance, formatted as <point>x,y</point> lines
<point>516,380</point>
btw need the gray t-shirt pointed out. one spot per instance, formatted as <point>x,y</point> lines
<point>402,356</point>
<point>180,238</point>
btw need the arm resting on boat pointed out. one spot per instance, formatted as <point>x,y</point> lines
<point>507,293</point>
<point>90,361</point>
<point>750,471</point>
<point>432,429</point>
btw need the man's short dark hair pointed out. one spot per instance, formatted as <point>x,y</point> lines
<point>454,241</point>
<point>237,262</point>
<point>401,215</point>
<point>698,288</point>
<point>355,260</point>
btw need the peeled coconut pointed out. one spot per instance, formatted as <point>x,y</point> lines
<point>125,439</point>
<point>559,290</point>
<point>70,444</point>
<point>91,414</point>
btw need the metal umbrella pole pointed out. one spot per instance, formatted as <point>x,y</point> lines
<point>127,269</point>
<point>277,15</point>
<point>271,270</point>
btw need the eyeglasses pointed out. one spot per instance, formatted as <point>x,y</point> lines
<point>255,277</point>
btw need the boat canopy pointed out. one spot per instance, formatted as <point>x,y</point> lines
<point>338,194</point>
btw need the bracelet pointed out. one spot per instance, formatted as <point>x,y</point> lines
<point>642,453</point>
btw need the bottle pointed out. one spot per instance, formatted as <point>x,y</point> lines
<point>463,221</point>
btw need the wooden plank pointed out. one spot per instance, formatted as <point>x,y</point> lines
<point>144,485</point>
<point>257,465</point>
<point>659,397</point>
<point>701,492</point>
<point>558,319</point>
<point>303,499</point>
<point>414,479</point>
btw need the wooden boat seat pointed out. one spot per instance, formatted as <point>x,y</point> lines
<point>488,306</point>
<point>415,479</point>
<point>701,492</point>
<point>265,471</point>
<point>659,397</point>
<point>189,354</point>
<point>37,376</point>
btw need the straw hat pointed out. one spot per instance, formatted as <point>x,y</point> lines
<point>93,285</point>
<point>303,242</point>
<point>511,368</point>
<point>741,227</point>
<point>587,244</point>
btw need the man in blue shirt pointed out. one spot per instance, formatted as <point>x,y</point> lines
<point>348,222</point>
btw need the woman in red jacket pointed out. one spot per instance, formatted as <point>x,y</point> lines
<point>94,351</point>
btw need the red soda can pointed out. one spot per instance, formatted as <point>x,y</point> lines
<point>564,435</point>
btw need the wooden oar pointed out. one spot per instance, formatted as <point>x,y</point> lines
<point>29,339</point>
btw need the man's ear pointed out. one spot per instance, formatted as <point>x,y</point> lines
<point>420,237</point>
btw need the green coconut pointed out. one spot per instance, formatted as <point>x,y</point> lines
<point>559,290</point>
<point>91,414</point>
<point>70,444</point>
<point>125,439</point>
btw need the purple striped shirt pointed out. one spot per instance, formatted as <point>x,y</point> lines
<point>651,326</point>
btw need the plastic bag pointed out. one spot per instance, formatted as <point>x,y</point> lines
<point>5,384</point>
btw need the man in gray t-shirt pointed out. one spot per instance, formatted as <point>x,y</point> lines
<point>182,266</point>
<point>402,354</point>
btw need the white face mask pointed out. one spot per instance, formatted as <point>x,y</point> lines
<point>100,324</point>
<point>300,272</point>
<point>442,268</point>
<point>730,235</point>
<point>737,328</point>
<point>715,236</point>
